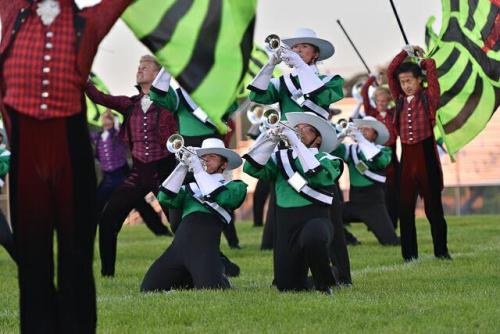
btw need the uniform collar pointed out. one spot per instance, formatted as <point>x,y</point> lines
<point>314,150</point>
<point>313,67</point>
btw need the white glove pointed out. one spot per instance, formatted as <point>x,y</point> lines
<point>369,149</point>
<point>274,59</point>
<point>194,162</point>
<point>206,182</point>
<point>175,180</point>
<point>292,58</point>
<point>263,78</point>
<point>291,136</point>
<point>263,148</point>
<point>162,80</point>
<point>309,81</point>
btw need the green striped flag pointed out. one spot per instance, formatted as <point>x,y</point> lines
<point>204,44</point>
<point>94,111</point>
<point>467,55</point>
<point>258,58</point>
<point>430,36</point>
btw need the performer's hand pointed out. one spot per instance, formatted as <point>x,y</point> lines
<point>292,58</point>
<point>195,163</point>
<point>291,136</point>
<point>356,135</point>
<point>274,59</point>
<point>419,52</point>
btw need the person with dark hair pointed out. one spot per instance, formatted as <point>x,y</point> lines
<point>367,159</point>
<point>421,172</point>
<point>146,129</point>
<point>304,175</point>
<point>46,51</point>
<point>385,114</point>
<point>193,260</point>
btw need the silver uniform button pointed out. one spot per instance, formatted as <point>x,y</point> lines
<point>145,137</point>
<point>49,34</point>
<point>49,45</point>
<point>409,127</point>
<point>46,69</point>
<point>45,95</point>
<point>43,106</point>
<point>45,82</point>
<point>409,121</point>
<point>147,153</point>
<point>47,57</point>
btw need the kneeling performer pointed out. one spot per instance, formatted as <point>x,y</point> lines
<point>304,176</point>
<point>193,259</point>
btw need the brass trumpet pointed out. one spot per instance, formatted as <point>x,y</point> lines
<point>175,145</point>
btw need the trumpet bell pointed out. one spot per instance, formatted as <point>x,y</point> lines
<point>175,143</point>
<point>271,118</point>
<point>272,42</point>
<point>255,113</point>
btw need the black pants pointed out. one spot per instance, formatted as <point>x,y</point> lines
<point>6,239</point>
<point>144,178</point>
<point>229,231</point>
<point>338,248</point>
<point>421,174</point>
<point>303,237</point>
<point>392,188</point>
<point>52,190</point>
<point>367,205</point>
<point>111,181</point>
<point>269,233</point>
<point>193,258</point>
<point>260,195</point>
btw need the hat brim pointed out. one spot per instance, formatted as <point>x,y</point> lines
<point>382,132</point>
<point>328,134</point>
<point>233,159</point>
<point>326,49</point>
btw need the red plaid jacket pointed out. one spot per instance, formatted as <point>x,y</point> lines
<point>414,123</point>
<point>89,26</point>
<point>145,133</point>
<point>371,111</point>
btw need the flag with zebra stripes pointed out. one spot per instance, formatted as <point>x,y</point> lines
<point>204,44</point>
<point>467,55</point>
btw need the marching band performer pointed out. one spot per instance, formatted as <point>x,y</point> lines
<point>367,160</point>
<point>146,128</point>
<point>193,259</point>
<point>46,51</point>
<point>303,176</point>
<point>304,89</point>
<point>421,172</point>
<point>385,114</point>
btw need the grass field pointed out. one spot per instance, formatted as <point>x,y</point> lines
<point>428,296</point>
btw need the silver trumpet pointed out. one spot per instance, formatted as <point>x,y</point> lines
<point>255,113</point>
<point>175,145</point>
<point>272,121</point>
<point>344,128</point>
<point>273,44</point>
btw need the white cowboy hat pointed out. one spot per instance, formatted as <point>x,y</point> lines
<point>324,127</point>
<point>371,122</point>
<point>305,35</point>
<point>216,146</point>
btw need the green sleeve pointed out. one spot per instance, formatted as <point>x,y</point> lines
<point>328,174</point>
<point>332,92</point>
<point>233,196</point>
<point>4,164</point>
<point>380,161</point>
<point>166,100</point>
<point>172,200</point>
<point>268,173</point>
<point>341,152</point>
<point>269,96</point>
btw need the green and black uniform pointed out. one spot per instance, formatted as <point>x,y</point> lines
<point>193,259</point>
<point>303,228</point>
<point>366,194</point>
<point>6,239</point>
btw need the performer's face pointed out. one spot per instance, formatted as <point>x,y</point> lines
<point>369,133</point>
<point>409,83</point>
<point>107,123</point>
<point>309,53</point>
<point>382,101</point>
<point>214,163</point>
<point>309,135</point>
<point>146,72</point>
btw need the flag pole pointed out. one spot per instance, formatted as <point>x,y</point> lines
<point>354,46</point>
<point>399,22</point>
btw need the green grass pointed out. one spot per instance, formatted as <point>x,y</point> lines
<point>388,296</point>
